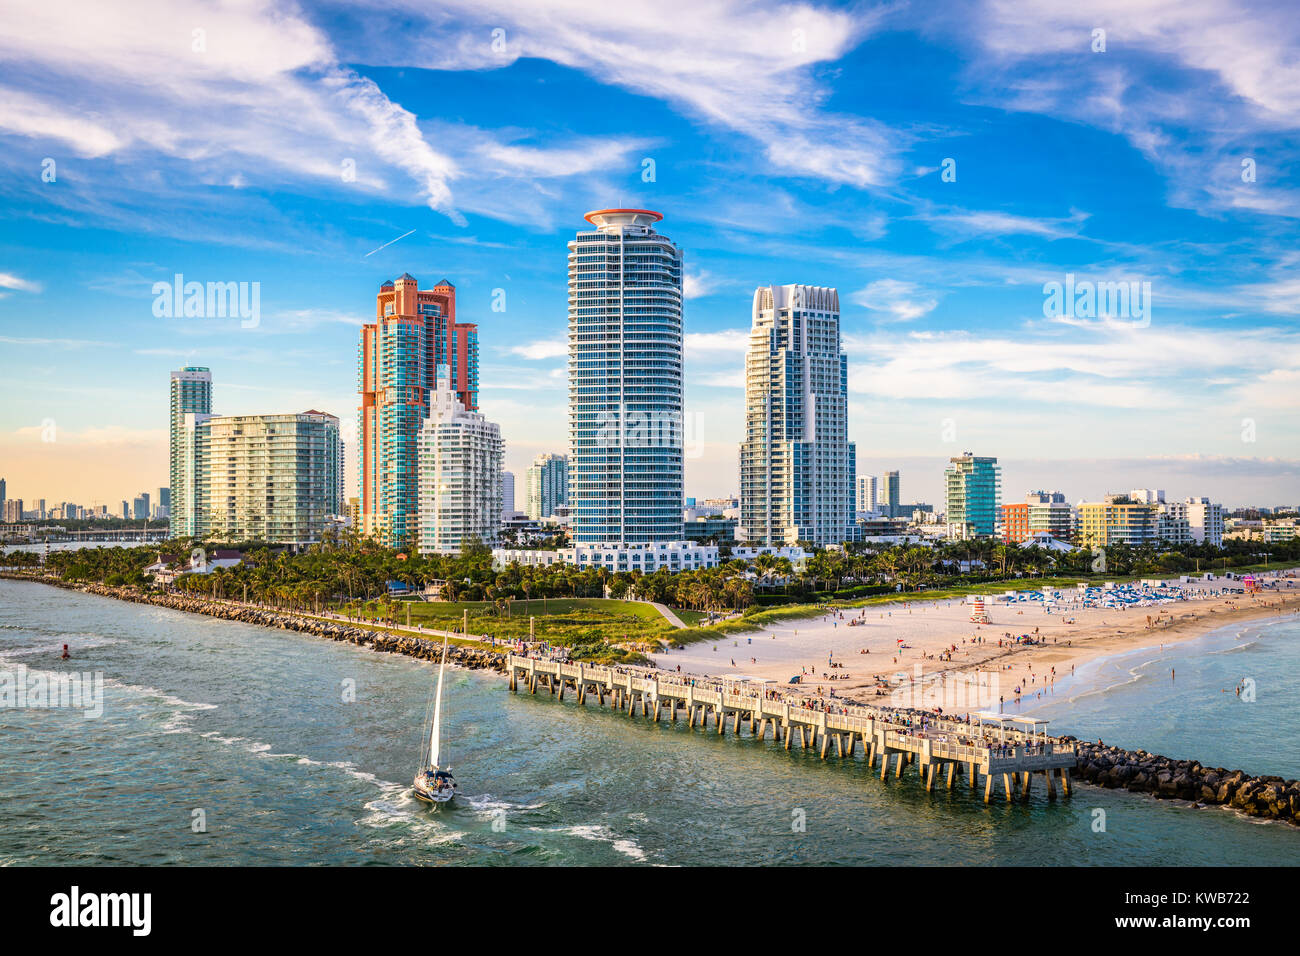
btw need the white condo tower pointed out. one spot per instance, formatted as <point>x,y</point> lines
<point>797,465</point>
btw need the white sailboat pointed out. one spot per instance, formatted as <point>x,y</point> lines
<point>434,783</point>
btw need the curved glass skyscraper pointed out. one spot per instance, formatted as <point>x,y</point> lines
<point>625,381</point>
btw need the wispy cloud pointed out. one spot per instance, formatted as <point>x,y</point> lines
<point>542,349</point>
<point>747,67</point>
<point>10,281</point>
<point>901,301</point>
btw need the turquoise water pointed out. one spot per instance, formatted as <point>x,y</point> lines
<point>1180,700</point>
<point>250,726</point>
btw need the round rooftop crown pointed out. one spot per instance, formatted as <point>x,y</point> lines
<point>623,217</point>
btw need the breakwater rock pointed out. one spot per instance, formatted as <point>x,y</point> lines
<point>424,648</point>
<point>1273,798</point>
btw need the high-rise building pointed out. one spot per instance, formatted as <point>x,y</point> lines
<point>546,485</point>
<point>867,488</point>
<point>2,496</point>
<point>625,381</point>
<point>191,393</point>
<point>414,333</point>
<point>797,465</point>
<point>460,454</point>
<point>887,495</point>
<point>273,478</point>
<point>974,486</point>
<point>190,503</point>
<point>507,493</point>
<point>140,506</point>
<point>13,510</point>
<point>162,503</point>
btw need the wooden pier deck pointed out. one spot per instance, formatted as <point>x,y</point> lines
<point>945,747</point>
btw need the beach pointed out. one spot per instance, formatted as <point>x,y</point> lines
<point>898,642</point>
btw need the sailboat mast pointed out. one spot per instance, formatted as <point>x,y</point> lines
<point>436,732</point>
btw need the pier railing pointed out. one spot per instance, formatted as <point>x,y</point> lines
<point>928,740</point>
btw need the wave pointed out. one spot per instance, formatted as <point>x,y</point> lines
<point>600,833</point>
<point>486,803</point>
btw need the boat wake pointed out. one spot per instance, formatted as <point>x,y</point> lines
<point>600,833</point>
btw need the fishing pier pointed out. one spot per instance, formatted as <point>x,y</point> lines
<point>942,750</point>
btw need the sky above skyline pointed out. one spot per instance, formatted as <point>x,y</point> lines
<point>940,168</point>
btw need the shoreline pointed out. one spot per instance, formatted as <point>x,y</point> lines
<point>1268,797</point>
<point>932,642</point>
<point>387,640</point>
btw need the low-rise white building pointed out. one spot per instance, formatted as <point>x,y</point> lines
<point>646,558</point>
<point>795,554</point>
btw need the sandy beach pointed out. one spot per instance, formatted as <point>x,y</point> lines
<point>939,642</point>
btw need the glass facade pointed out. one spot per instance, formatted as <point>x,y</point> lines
<point>974,491</point>
<point>273,478</point>
<point>414,333</point>
<point>797,465</point>
<point>625,381</point>
<point>546,486</point>
<point>191,393</point>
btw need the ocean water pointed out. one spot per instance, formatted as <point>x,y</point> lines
<point>1180,700</point>
<point>251,727</point>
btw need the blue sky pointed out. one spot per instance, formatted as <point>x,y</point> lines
<point>790,143</point>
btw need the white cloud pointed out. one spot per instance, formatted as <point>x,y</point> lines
<point>698,284</point>
<point>722,342</point>
<point>542,349</point>
<point>743,66</point>
<point>10,281</point>
<point>256,94</point>
<point>901,300</point>
<point>1195,85</point>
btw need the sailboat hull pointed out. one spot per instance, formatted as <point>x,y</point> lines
<point>426,794</point>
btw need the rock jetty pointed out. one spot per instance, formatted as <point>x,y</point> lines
<point>420,647</point>
<point>1273,798</point>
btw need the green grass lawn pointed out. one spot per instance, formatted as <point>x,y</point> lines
<point>566,621</point>
<point>688,617</point>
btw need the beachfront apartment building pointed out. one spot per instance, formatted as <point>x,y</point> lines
<point>625,381</point>
<point>1264,530</point>
<point>273,478</point>
<point>546,485</point>
<point>276,479</point>
<point>1116,520</point>
<point>459,455</point>
<point>415,332</point>
<point>1041,512</point>
<point>190,394</point>
<point>190,478</point>
<point>797,465</point>
<point>973,486</point>
<point>672,556</point>
<point>1204,519</point>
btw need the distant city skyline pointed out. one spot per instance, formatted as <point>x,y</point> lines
<point>948,171</point>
